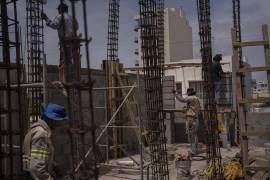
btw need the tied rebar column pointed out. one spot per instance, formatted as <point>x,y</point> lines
<point>11,129</point>
<point>237,26</point>
<point>160,10</point>
<point>79,95</point>
<point>35,55</point>
<point>113,27</point>
<point>111,67</point>
<point>210,112</point>
<point>153,73</point>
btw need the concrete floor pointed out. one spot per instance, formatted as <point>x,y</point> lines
<point>197,163</point>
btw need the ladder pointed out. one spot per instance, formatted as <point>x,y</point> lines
<point>243,101</point>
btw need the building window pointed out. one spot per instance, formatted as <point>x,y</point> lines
<point>198,87</point>
<point>179,88</point>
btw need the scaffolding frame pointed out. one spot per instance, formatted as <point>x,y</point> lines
<point>237,27</point>
<point>242,101</point>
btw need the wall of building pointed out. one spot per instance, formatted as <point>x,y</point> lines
<point>258,122</point>
<point>177,35</point>
<point>61,137</point>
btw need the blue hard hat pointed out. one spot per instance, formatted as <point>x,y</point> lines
<point>54,112</point>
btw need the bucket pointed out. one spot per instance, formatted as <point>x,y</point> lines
<point>267,150</point>
<point>183,170</point>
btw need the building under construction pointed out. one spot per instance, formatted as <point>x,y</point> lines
<point>121,122</point>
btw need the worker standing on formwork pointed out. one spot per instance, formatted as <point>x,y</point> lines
<point>38,150</point>
<point>69,46</point>
<point>192,116</point>
<point>217,72</point>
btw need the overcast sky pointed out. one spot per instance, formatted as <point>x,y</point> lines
<point>254,14</point>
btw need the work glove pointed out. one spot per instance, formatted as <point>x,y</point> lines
<point>44,16</point>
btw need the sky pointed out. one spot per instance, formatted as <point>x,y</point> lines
<point>254,13</point>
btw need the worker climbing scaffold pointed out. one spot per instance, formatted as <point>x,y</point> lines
<point>63,23</point>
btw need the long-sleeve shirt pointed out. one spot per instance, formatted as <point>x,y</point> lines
<point>216,71</point>
<point>193,104</point>
<point>63,31</point>
<point>38,151</point>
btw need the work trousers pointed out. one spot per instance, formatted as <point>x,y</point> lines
<point>192,124</point>
<point>69,68</point>
<point>217,89</point>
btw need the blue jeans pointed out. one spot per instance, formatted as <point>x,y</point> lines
<point>217,89</point>
<point>194,139</point>
<point>192,130</point>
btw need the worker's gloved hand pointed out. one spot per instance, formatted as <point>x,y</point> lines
<point>44,16</point>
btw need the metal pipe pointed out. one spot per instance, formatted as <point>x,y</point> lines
<point>44,81</point>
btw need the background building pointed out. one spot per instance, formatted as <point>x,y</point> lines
<point>177,36</point>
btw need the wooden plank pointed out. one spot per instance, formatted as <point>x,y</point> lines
<point>258,100</point>
<point>253,69</point>
<point>257,168</point>
<point>240,109</point>
<point>256,133</point>
<point>250,43</point>
<point>266,53</point>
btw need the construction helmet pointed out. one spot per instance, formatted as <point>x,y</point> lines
<point>63,6</point>
<point>218,57</point>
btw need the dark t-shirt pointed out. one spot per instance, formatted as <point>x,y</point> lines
<point>216,71</point>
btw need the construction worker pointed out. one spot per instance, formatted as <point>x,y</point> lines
<point>192,111</point>
<point>38,150</point>
<point>217,75</point>
<point>69,46</point>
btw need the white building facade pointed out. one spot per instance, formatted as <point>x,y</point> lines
<point>188,73</point>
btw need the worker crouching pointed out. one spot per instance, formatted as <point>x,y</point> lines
<point>38,149</point>
<point>192,116</point>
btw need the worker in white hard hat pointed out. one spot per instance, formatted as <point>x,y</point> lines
<point>67,27</point>
<point>38,149</point>
<point>192,111</point>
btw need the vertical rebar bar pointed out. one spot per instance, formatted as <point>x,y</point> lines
<point>113,27</point>
<point>237,26</point>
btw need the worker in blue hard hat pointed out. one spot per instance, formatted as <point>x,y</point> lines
<point>38,149</point>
